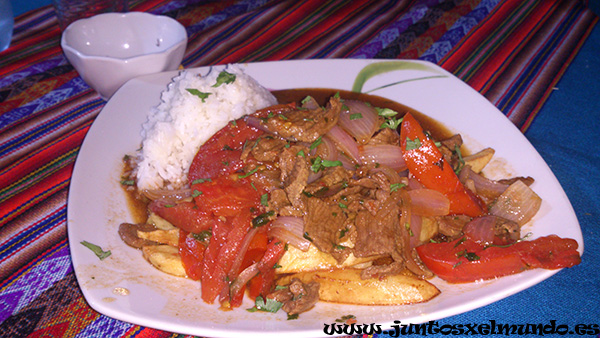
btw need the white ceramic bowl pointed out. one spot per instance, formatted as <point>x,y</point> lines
<point>109,49</point>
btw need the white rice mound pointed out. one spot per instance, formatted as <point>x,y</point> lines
<point>181,123</point>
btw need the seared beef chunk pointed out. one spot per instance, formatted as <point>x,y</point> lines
<point>323,223</point>
<point>375,233</point>
<point>306,125</point>
<point>267,148</point>
<point>128,233</point>
<point>385,136</point>
<point>297,297</point>
<point>451,226</point>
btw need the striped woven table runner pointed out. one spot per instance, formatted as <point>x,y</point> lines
<point>512,51</point>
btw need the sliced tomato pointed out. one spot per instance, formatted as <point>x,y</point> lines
<point>213,276</point>
<point>225,196</point>
<point>186,216</point>
<point>265,280</point>
<point>256,249</point>
<point>425,161</point>
<point>220,155</point>
<point>192,255</point>
<point>464,260</point>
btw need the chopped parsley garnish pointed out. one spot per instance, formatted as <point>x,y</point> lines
<point>201,180</point>
<point>96,250</point>
<point>262,219</point>
<point>248,173</point>
<point>470,256</point>
<point>306,99</point>
<point>413,144</point>
<point>270,305</point>
<point>202,236</point>
<point>226,147</point>
<point>264,200</point>
<point>396,186</point>
<point>318,164</point>
<point>461,161</point>
<point>301,153</point>
<point>316,143</point>
<point>392,123</point>
<point>343,232</point>
<point>127,182</point>
<point>386,112</point>
<point>305,235</point>
<point>410,232</point>
<point>196,193</point>
<point>203,96</point>
<point>342,205</point>
<point>356,116</point>
<point>345,318</point>
<point>224,78</point>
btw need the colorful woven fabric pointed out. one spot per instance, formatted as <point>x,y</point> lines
<point>512,51</point>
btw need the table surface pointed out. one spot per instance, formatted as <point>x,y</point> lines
<point>537,61</point>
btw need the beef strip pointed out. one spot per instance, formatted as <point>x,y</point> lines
<point>323,223</point>
<point>267,148</point>
<point>385,136</point>
<point>297,297</point>
<point>451,226</point>
<point>305,125</point>
<point>375,233</point>
<point>128,233</point>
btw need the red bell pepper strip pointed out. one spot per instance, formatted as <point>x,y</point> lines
<point>463,260</point>
<point>425,161</point>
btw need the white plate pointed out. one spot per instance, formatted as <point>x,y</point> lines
<point>96,204</point>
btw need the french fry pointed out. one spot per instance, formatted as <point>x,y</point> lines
<point>168,237</point>
<point>346,286</point>
<point>295,260</point>
<point>479,160</point>
<point>165,258</point>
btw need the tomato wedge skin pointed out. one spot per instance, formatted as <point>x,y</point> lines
<point>220,155</point>
<point>184,215</point>
<point>465,261</point>
<point>426,163</point>
<point>225,196</point>
<point>192,255</point>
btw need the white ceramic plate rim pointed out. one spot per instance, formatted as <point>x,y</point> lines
<point>96,204</point>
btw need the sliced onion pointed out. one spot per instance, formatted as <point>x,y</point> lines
<point>257,123</point>
<point>484,186</point>
<point>167,195</point>
<point>326,150</point>
<point>481,229</point>
<point>416,224</point>
<point>390,173</point>
<point>344,142</point>
<point>237,262</point>
<point>310,103</point>
<point>517,203</point>
<point>243,278</point>
<point>429,202</point>
<point>347,163</point>
<point>360,120</point>
<point>413,183</point>
<point>386,154</point>
<point>291,230</point>
<point>409,254</point>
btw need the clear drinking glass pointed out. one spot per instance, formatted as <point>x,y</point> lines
<point>6,24</point>
<point>68,11</point>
